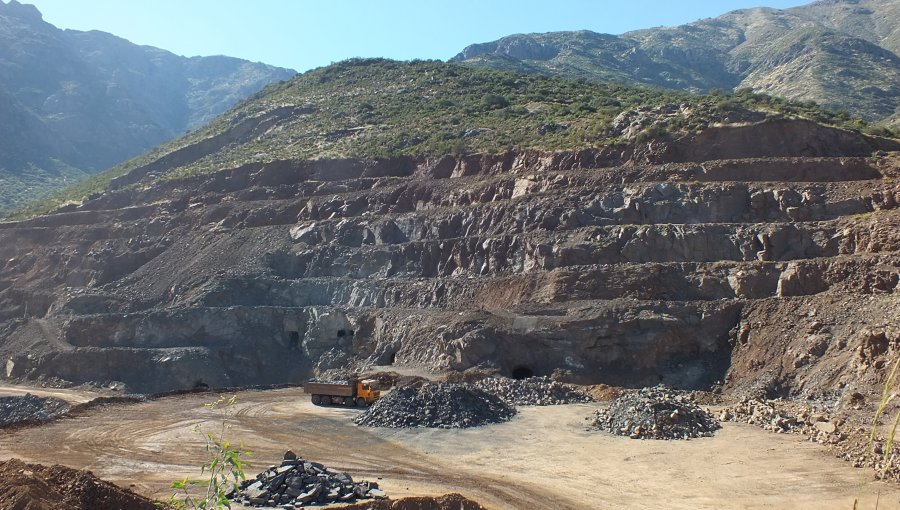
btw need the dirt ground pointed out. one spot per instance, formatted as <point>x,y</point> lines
<point>543,458</point>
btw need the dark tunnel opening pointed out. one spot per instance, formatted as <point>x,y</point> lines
<point>522,372</point>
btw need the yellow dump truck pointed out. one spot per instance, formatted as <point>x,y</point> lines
<point>358,392</point>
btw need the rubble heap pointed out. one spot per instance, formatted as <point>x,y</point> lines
<point>534,391</point>
<point>769,416</point>
<point>446,502</point>
<point>437,405</point>
<point>29,408</point>
<point>846,440</point>
<point>655,413</point>
<point>298,483</point>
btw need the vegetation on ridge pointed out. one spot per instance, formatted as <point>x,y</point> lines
<point>376,108</point>
<point>842,54</point>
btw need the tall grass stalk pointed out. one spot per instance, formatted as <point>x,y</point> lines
<point>887,395</point>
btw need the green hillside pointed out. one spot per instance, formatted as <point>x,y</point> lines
<point>381,108</point>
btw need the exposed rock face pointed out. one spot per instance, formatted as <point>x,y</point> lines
<point>627,266</point>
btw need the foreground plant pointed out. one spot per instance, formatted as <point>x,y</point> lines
<point>887,396</point>
<point>222,471</point>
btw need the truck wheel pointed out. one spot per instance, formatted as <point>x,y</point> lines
<point>360,402</point>
<point>316,400</point>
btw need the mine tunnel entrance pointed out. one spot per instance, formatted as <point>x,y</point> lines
<point>522,372</point>
<point>294,341</point>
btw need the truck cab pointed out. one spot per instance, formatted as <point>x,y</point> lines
<point>367,389</point>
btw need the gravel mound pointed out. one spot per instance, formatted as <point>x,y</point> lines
<point>343,382</point>
<point>534,391</point>
<point>36,487</point>
<point>437,405</point>
<point>445,502</point>
<point>655,413</point>
<point>300,483</point>
<point>29,409</point>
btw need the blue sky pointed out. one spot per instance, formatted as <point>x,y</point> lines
<point>302,34</point>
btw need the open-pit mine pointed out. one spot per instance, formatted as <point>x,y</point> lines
<point>736,265</point>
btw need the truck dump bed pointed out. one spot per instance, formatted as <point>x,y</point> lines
<point>340,389</point>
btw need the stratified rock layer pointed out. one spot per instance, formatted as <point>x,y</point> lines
<point>758,265</point>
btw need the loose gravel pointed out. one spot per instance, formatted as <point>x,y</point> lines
<point>29,409</point>
<point>655,413</point>
<point>437,405</point>
<point>534,391</point>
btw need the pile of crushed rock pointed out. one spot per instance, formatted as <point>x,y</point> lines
<point>534,391</point>
<point>655,413</point>
<point>29,409</point>
<point>446,502</point>
<point>437,405</point>
<point>297,483</point>
<point>36,487</point>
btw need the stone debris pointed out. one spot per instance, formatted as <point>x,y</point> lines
<point>818,426</point>
<point>29,408</point>
<point>437,405</point>
<point>299,483</point>
<point>339,382</point>
<point>769,415</point>
<point>534,391</point>
<point>655,413</point>
<point>446,502</point>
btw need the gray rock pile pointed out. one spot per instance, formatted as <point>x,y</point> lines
<point>437,405</point>
<point>655,413</point>
<point>330,381</point>
<point>534,391</point>
<point>299,483</point>
<point>29,408</point>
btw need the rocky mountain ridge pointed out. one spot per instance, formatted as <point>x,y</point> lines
<point>842,54</point>
<point>74,103</point>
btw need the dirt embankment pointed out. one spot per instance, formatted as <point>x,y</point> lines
<point>36,487</point>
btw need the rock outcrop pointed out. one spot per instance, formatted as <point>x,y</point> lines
<point>692,265</point>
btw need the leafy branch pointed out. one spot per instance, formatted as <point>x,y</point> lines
<point>222,471</point>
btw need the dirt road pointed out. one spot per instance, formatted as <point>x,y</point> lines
<point>542,459</point>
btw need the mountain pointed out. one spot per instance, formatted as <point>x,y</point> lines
<point>74,103</point>
<point>842,54</point>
